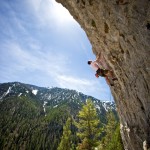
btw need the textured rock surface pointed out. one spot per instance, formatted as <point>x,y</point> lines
<point>121,30</point>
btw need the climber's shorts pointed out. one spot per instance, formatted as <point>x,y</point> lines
<point>102,72</point>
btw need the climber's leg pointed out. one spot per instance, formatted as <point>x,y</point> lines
<point>108,81</point>
<point>111,75</point>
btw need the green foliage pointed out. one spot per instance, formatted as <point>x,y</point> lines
<point>23,125</point>
<point>88,130</point>
<point>116,141</point>
<point>65,143</point>
<point>111,126</point>
<point>112,139</point>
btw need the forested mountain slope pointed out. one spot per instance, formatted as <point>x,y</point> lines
<point>32,117</point>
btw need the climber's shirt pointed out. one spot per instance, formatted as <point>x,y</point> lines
<point>94,65</point>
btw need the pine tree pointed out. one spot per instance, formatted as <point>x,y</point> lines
<point>116,142</point>
<point>65,143</point>
<point>112,139</point>
<point>110,127</point>
<point>88,130</point>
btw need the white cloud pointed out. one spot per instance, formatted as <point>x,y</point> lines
<point>86,86</point>
<point>35,4</point>
<point>70,82</point>
<point>49,62</point>
<point>10,22</point>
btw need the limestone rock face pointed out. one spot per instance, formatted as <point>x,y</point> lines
<point>120,30</point>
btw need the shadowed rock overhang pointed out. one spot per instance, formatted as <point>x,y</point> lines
<point>120,30</point>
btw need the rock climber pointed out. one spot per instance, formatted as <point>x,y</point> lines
<point>101,62</point>
<point>102,72</point>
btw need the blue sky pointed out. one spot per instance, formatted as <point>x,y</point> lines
<point>41,44</point>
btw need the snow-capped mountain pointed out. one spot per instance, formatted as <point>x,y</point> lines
<point>52,97</point>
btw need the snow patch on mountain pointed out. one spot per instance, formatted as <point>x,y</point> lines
<point>50,87</point>
<point>98,107</point>
<point>7,92</point>
<point>109,105</point>
<point>34,92</point>
<point>19,94</point>
<point>55,106</point>
<point>44,107</point>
